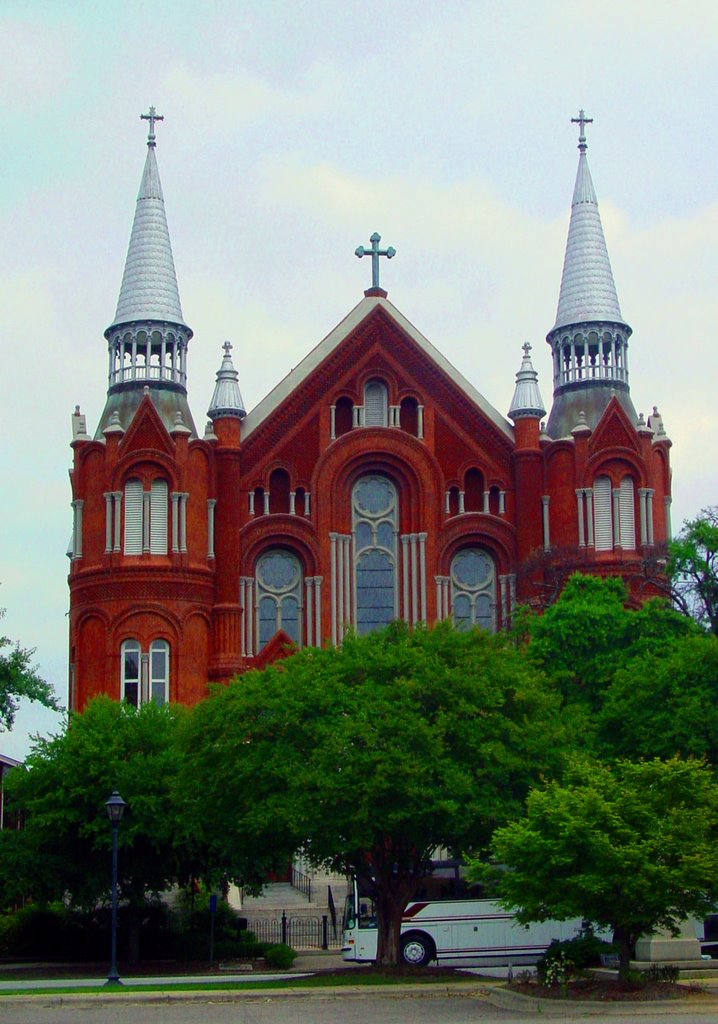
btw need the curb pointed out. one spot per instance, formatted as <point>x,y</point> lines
<point>503,999</point>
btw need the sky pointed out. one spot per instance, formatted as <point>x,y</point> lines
<point>292,131</point>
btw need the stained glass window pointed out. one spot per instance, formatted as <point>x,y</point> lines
<point>473,589</point>
<point>375,522</point>
<point>279,594</point>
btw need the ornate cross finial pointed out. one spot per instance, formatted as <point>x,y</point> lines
<point>152,117</point>
<point>375,252</point>
<point>527,348</point>
<point>582,121</point>
<point>227,347</point>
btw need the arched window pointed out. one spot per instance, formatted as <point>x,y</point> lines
<point>473,491</point>
<point>602,517</point>
<point>343,416</point>
<point>133,517</point>
<point>473,589</point>
<point>279,491</point>
<point>130,658</point>
<point>375,518</point>
<point>626,514</point>
<point>376,404</point>
<point>409,416</point>
<point>279,595</point>
<point>159,671</point>
<point>158,517</point>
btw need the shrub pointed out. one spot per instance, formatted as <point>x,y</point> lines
<point>583,950</point>
<point>279,956</point>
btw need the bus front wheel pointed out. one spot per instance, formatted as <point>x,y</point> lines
<point>417,950</point>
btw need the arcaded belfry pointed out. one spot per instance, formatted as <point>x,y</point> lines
<point>374,482</point>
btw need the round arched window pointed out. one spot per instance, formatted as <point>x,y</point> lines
<point>279,595</point>
<point>473,589</point>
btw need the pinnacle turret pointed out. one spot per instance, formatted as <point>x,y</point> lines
<point>589,339</point>
<point>227,399</point>
<point>527,400</point>
<point>148,337</point>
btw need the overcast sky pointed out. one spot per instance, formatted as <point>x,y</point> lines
<point>293,131</point>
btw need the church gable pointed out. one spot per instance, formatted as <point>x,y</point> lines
<point>147,432</point>
<point>377,346</point>
<point>614,430</point>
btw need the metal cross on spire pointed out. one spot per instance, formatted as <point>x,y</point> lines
<point>152,117</point>
<point>582,121</point>
<point>375,252</point>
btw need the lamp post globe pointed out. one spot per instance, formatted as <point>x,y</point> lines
<point>115,807</point>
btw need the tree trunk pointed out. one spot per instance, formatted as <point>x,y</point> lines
<point>624,941</point>
<point>392,896</point>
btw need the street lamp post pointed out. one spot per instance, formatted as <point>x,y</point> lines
<point>115,807</point>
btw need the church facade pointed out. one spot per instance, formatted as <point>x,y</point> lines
<point>373,483</point>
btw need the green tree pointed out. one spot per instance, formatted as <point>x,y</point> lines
<point>631,848</point>
<point>665,702</point>
<point>369,757</point>
<point>693,568</point>
<point>64,849</point>
<point>590,632</point>
<point>18,679</point>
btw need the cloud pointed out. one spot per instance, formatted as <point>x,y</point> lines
<point>35,65</point>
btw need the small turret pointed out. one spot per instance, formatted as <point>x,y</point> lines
<point>227,398</point>
<point>527,401</point>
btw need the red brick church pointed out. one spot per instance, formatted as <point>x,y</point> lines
<point>373,483</point>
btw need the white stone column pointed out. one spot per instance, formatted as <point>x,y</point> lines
<point>333,585</point>
<point>211,503</point>
<point>667,513</point>
<point>347,584</point>
<point>422,577</point>
<point>356,409</point>
<point>486,501</point>
<point>414,580</point>
<point>504,589</point>
<point>589,514</point>
<point>307,513</point>
<point>175,520</point>
<point>332,422</point>
<point>616,517</point>
<point>649,513</point>
<point>462,507</point>
<point>250,617</point>
<point>144,694</point>
<point>447,504</point>
<point>118,520</point>
<point>77,540</point>
<point>447,610</point>
<point>502,503</point>
<point>109,502</point>
<point>251,503</point>
<point>405,576</point>
<point>642,503</point>
<point>243,607</point>
<point>512,592</point>
<point>318,610</point>
<point>145,522</point>
<point>292,503</point>
<point>266,502</point>
<point>579,512</point>
<point>545,499</point>
<point>439,602</point>
<point>309,603</point>
<point>183,523</point>
<point>420,422</point>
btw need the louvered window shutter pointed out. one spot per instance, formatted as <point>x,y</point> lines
<point>627,516</point>
<point>158,518</point>
<point>603,532</point>
<point>375,404</point>
<point>133,517</point>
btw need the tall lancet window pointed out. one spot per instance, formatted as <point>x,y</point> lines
<point>279,595</point>
<point>376,404</point>
<point>602,517</point>
<point>375,518</point>
<point>133,517</point>
<point>473,589</point>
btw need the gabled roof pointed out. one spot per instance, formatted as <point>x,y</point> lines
<point>335,338</point>
<point>149,284</point>
<point>588,292</point>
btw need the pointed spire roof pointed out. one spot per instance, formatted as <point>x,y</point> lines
<point>527,397</point>
<point>227,399</point>
<point>149,284</point>
<point>588,292</point>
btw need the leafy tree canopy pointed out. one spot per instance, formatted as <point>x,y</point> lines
<point>18,679</point>
<point>62,788</point>
<point>369,757</point>
<point>589,633</point>
<point>665,702</point>
<point>693,568</point>
<point>632,848</point>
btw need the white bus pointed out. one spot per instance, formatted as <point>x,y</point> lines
<point>452,931</point>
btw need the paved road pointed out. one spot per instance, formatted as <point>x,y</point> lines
<point>371,1009</point>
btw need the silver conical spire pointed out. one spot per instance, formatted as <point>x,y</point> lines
<point>589,340</point>
<point>527,400</point>
<point>149,284</point>
<point>227,399</point>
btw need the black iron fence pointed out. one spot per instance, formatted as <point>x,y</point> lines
<point>298,932</point>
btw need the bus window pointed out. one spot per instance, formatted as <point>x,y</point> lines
<point>367,913</point>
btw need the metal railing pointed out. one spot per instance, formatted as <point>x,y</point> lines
<point>302,883</point>
<point>298,932</point>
